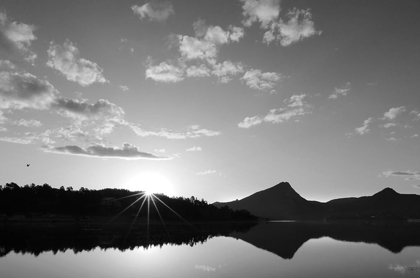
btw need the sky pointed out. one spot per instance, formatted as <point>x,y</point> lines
<point>213,99</point>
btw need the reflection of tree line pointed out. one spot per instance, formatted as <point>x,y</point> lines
<point>285,239</point>
<point>60,237</point>
<point>59,203</point>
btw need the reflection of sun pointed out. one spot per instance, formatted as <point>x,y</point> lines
<point>150,182</point>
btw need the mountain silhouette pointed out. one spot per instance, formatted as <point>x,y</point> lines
<point>282,202</point>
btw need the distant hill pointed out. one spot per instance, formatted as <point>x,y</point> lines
<point>282,202</point>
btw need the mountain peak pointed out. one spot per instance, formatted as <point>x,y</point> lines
<point>386,192</point>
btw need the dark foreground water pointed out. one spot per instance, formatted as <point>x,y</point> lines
<point>210,250</point>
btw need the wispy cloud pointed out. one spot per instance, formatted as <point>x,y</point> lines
<point>127,151</point>
<point>164,72</point>
<point>407,175</point>
<point>27,123</point>
<point>124,88</point>
<point>16,38</point>
<point>296,107</point>
<point>206,172</point>
<point>365,127</point>
<point>341,91</point>
<point>155,11</point>
<point>205,268</point>
<point>194,149</point>
<point>66,60</point>
<point>194,131</point>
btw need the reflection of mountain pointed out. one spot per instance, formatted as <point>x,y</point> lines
<point>283,202</point>
<point>43,237</point>
<point>284,239</point>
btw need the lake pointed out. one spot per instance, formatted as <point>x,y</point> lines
<point>276,249</point>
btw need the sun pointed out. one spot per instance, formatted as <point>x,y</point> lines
<point>151,183</point>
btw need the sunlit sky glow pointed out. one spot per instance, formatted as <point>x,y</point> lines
<point>219,98</point>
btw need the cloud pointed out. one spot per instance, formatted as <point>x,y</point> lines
<point>194,149</point>
<point>226,69</point>
<point>416,114</point>
<point>258,80</point>
<point>165,72</point>
<point>7,64</point>
<point>206,172</point>
<point>365,128</point>
<point>124,88</point>
<point>154,10</point>
<point>250,121</point>
<point>127,151</point>
<point>16,140</point>
<point>407,175</point>
<point>24,90</point>
<point>27,123</point>
<point>102,109</point>
<point>299,27</point>
<point>2,128</point>
<point>341,91</point>
<point>66,60</point>
<point>205,268</point>
<point>16,38</point>
<point>200,71</point>
<point>296,107</point>
<point>30,138</point>
<point>160,151</point>
<point>388,125</point>
<point>262,11</point>
<point>193,131</point>
<point>393,113</point>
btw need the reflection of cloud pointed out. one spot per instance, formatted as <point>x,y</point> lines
<point>16,38</point>
<point>127,151</point>
<point>66,60</point>
<point>206,172</point>
<point>205,268</point>
<point>154,11</point>
<point>341,91</point>
<point>405,268</point>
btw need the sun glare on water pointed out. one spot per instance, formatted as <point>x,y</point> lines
<point>151,183</point>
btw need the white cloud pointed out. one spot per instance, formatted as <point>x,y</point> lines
<point>258,80</point>
<point>205,268</point>
<point>27,123</point>
<point>206,172</point>
<point>226,69</point>
<point>165,72</point>
<point>299,27</point>
<point>365,128</point>
<point>24,90</point>
<point>30,138</point>
<point>160,151</point>
<point>7,64</point>
<point>388,125</point>
<point>393,113</point>
<point>262,11</point>
<point>154,10</point>
<point>127,151</point>
<point>16,140</point>
<point>341,91</point>
<point>194,149</point>
<point>124,88</point>
<point>200,71</point>
<point>16,38</point>
<point>2,128</point>
<point>296,107</point>
<point>66,60</point>
<point>191,132</point>
<point>416,114</point>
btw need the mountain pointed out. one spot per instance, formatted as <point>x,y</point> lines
<point>282,202</point>
<point>278,202</point>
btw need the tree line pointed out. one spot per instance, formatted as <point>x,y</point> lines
<point>45,201</point>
